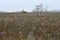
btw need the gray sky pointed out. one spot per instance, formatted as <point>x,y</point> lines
<point>28,5</point>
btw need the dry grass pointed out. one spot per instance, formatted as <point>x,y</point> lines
<point>29,26</point>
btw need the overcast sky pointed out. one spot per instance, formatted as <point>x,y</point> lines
<point>28,5</point>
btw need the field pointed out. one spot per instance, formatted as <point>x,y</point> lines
<point>30,26</point>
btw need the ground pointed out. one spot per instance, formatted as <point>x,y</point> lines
<point>30,26</point>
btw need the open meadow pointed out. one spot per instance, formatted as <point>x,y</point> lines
<point>30,26</point>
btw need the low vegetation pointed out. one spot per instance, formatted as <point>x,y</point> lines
<point>30,26</point>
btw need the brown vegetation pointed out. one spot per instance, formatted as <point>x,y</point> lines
<point>29,27</point>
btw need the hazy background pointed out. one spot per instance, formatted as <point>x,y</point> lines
<point>28,5</point>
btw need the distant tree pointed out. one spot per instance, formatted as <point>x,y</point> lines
<point>40,8</point>
<point>23,11</point>
<point>46,8</point>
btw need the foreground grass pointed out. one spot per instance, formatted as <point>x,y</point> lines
<point>29,27</point>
